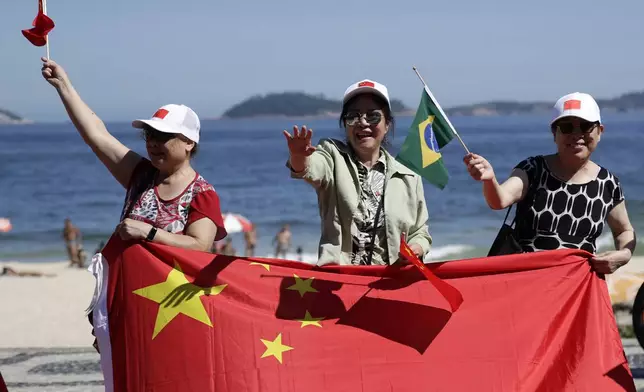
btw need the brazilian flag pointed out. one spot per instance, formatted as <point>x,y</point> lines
<point>430,131</point>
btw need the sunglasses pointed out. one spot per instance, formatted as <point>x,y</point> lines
<point>150,134</point>
<point>567,128</point>
<point>372,117</point>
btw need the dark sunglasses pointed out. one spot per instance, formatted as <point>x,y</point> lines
<point>567,128</point>
<point>372,117</point>
<point>150,134</point>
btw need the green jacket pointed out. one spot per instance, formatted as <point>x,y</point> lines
<point>334,176</point>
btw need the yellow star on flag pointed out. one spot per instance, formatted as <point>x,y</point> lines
<point>177,295</point>
<point>310,320</point>
<point>275,348</point>
<point>302,286</point>
<point>267,266</point>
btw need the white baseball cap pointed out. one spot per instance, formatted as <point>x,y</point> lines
<point>577,104</point>
<point>174,119</point>
<point>366,86</point>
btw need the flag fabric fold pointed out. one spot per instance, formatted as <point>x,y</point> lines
<point>451,294</point>
<point>430,131</point>
<point>191,321</point>
<point>42,25</point>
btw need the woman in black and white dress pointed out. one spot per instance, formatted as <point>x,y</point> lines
<point>564,199</point>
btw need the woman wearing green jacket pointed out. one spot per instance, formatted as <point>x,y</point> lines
<point>366,198</point>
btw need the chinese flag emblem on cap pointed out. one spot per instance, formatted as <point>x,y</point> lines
<point>366,84</point>
<point>161,113</point>
<point>572,104</point>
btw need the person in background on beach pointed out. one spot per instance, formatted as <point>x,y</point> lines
<point>228,248</point>
<point>82,255</point>
<point>299,253</point>
<point>166,201</point>
<point>8,271</point>
<point>366,198</point>
<point>72,237</point>
<point>99,248</point>
<point>217,247</point>
<point>250,237</point>
<point>282,241</point>
<point>564,198</point>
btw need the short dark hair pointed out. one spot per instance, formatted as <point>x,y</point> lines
<point>194,150</point>
<point>380,101</point>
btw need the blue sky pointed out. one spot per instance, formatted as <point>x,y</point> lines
<point>128,57</point>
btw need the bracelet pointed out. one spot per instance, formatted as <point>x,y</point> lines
<point>151,234</point>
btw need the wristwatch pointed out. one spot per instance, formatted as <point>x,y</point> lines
<point>151,234</point>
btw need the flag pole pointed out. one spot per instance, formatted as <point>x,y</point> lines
<point>44,11</point>
<point>441,110</point>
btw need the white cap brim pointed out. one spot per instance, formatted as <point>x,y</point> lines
<point>365,90</point>
<point>162,126</point>
<point>575,113</point>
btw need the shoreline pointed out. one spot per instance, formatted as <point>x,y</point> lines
<point>456,112</point>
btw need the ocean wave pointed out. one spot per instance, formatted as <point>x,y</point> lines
<point>308,258</point>
<point>605,243</point>
<point>435,254</point>
<point>441,252</point>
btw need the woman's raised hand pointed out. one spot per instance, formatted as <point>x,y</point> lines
<point>299,144</point>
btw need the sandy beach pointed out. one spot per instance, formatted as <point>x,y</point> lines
<point>49,311</point>
<point>45,311</point>
<point>624,283</point>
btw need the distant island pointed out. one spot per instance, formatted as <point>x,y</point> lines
<point>299,104</point>
<point>624,103</point>
<point>293,104</point>
<point>7,117</point>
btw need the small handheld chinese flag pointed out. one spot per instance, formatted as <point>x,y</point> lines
<point>42,25</point>
<point>449,292</point>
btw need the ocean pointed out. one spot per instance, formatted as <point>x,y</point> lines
<point>47,173</point>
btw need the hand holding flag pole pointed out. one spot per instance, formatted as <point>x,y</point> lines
<point>38,35</point>
<point>441,110</point>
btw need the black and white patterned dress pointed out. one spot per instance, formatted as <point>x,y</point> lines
<point>555,214</point>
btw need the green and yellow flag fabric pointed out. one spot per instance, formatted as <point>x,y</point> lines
<point>429,132</point>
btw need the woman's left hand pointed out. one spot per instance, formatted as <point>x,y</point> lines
<point>418,250</point>
<point>131,229</point>
<point>609,262</point>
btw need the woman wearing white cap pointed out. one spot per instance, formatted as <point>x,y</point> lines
<point>164,192</point>
<point>564,198</point>
<point>366,198</point>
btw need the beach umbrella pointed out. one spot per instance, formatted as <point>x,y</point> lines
<point>235,223</point>
<point>5,225</point>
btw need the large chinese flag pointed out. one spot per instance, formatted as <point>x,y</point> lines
<point>175,320</point>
